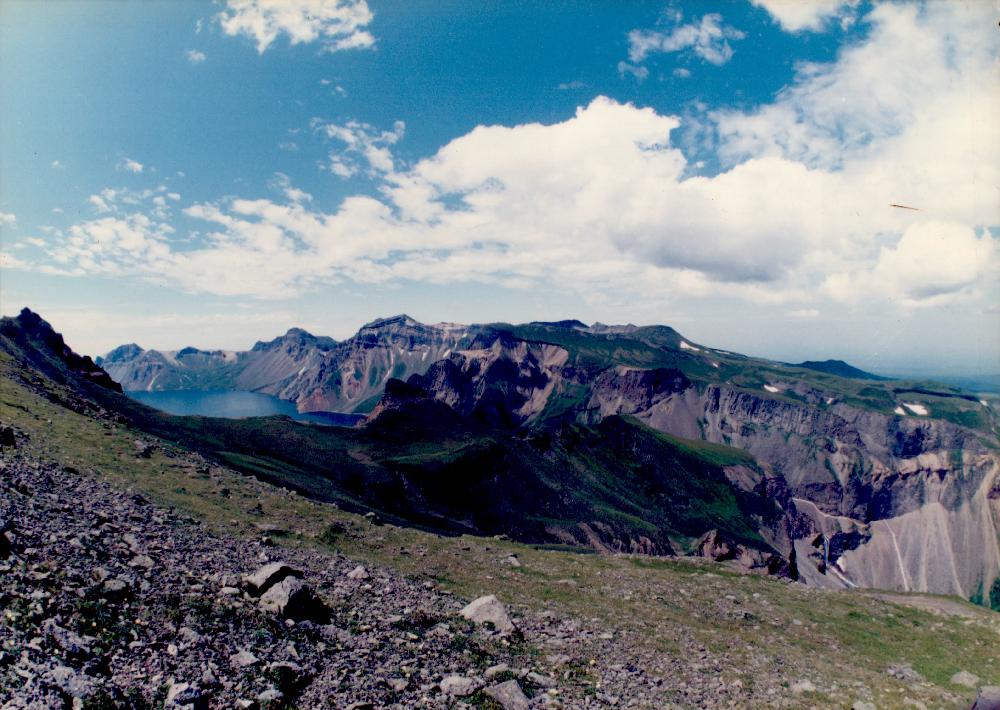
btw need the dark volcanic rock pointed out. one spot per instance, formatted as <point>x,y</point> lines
<point>37,337</point>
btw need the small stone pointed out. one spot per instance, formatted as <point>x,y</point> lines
<point>508,695</point>
<point>143,562</point>
<point>116,586</point>
<point>540,680</point>
<point>969,680</point>
<point>459,686</point>
<point>293,598</point>
<point>358,572</point>
<point>271,696</point>
<point>803,686</point>
<point>287,676</point>
<point>243,659</point>
<point>189,635</point>
<point>182,694</point>
<point>70,642</point>
<point>903,672</point>
<point>71,682</point>
<point>397,685</point>
<point>493,671</point>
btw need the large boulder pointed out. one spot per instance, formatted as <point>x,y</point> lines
<point>489,610</point>
<point>988,698</point>
<point>268,576</point>
<point>459,686</point>
<point>294,599</point>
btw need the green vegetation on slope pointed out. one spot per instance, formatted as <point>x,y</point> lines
<point>656,606</point>
<point>618,484</point>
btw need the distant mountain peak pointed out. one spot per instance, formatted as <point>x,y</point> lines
<point>613,329</point>
<point>838,368</point>
<point>400,319</point>
<point>571,323</point>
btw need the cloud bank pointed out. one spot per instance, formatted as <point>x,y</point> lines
<point>601,204</point>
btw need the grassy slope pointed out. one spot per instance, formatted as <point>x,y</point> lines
<point>428,465</point>
<point>839,637</point>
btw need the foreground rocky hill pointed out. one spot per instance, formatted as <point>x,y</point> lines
<point>139,574</point>
<point>112,601</point>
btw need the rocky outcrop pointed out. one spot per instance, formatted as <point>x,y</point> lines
<point>505,383</point>
<point>41,347</point>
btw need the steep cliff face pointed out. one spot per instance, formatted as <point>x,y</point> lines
<point>317,373</point>
<point>189,368</point>
<point>876,490</point>
<point>906,497</point>
<point>351,376</point>
<point>504,382</point>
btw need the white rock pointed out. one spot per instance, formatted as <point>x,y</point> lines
<point>803,686</point>
<point>509,695</point>
<point>243,659</point>
<point>267,576</point>
<point>358,572</point>
<point>488,609</point>
<point>969,680</point>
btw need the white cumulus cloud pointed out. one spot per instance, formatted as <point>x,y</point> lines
<point>708,39</point>
<point>797,15</point>
<point>129,165</point>
<point>363,144</point>
<point>337,24</point>
<point>194,56</point>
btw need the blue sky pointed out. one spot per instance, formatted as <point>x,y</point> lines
<point>182,173</point>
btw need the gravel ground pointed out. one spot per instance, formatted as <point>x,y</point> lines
<point>110,601</point>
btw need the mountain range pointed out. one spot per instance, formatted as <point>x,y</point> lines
<point>620,438</point>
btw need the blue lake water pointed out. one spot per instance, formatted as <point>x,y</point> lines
<point>235,405</point>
